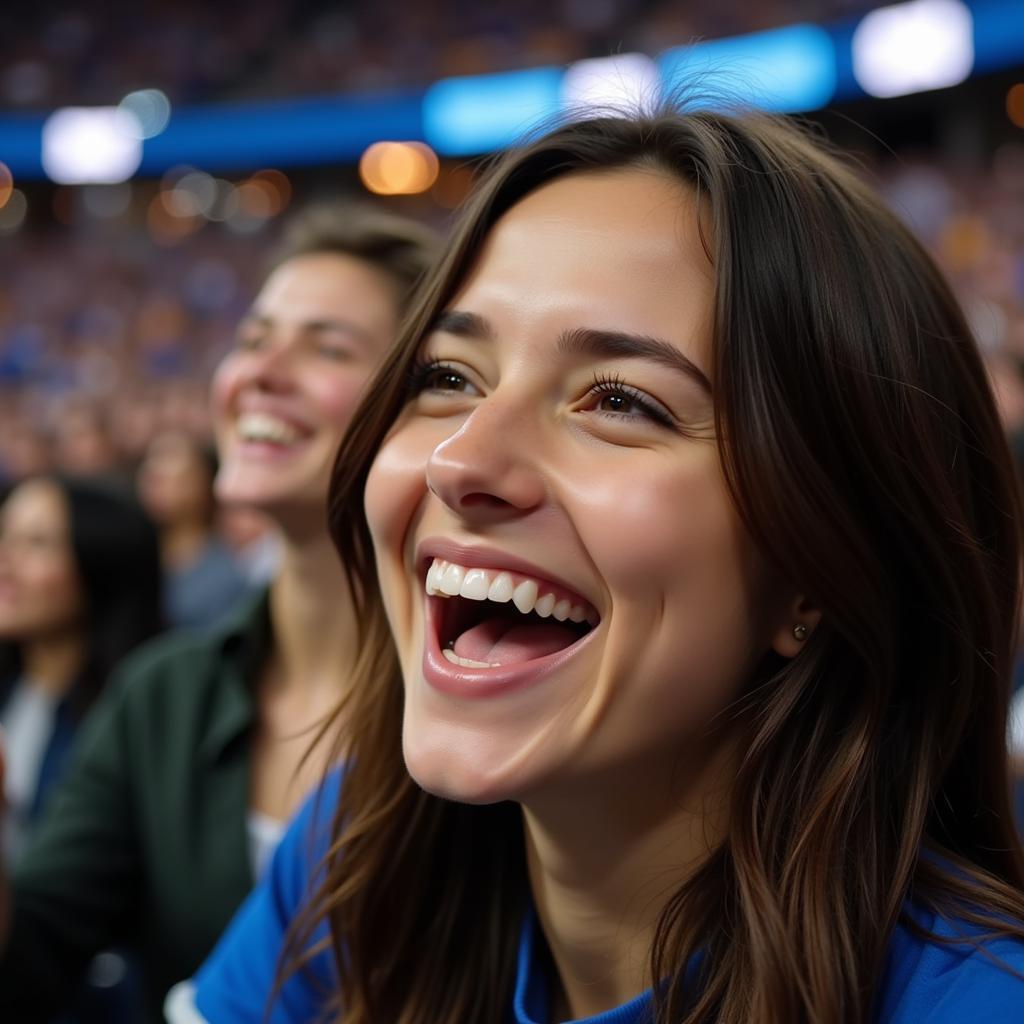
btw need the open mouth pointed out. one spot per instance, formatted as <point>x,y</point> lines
<point>264,429</point>
<point>491,619</point>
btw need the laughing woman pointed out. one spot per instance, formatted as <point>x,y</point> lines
<point>199,752</point>
<point>687,507</point>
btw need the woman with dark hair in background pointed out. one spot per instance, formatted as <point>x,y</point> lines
<point>175,482</point>
<point>79,589</point>
<point>200,750</point>
<point>686,504</point>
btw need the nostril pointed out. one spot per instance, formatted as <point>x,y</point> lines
<point>480,499</point>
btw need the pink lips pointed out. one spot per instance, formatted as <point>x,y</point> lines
<point>475,683</point>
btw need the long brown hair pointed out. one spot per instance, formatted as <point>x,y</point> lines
<point>863,451</point>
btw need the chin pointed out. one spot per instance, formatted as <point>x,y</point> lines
<point>452,772</point>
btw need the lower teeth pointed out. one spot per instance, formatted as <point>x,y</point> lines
<point>464,662</point>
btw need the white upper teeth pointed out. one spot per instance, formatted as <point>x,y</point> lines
<point>261,426</point>
<point>446,579</point>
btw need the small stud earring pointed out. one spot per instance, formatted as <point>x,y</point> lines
<point>800,632</point>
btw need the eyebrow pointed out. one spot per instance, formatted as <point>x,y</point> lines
<point>464,325</point>
<point>320,324</point>
<point>587,341</point>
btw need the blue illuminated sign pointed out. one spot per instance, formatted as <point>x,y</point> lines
<point>480,113</point>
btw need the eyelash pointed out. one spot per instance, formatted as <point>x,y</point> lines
<point>604,385</point>
<point>614,386</point>
<point>418,378</point>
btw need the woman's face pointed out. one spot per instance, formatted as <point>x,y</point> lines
<point>285,394</point>
<point>562,452</point>
<point>40,592</point>
<point>174,480</point>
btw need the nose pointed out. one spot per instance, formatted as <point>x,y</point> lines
<point>489,469</point>
<point>271,367</point>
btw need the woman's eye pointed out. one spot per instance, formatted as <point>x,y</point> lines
<point>438,377</point>
<point>611,397</point>
<point>620,405</point>
<point>335,352</point>
<point>248,342</point>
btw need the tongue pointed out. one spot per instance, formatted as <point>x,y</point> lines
<point>498,641</point>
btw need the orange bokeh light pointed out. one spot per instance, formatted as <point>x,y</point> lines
<point>398,168</point>
<point>1015,104</point>
<point>280,188</point>
<point>6,184</point>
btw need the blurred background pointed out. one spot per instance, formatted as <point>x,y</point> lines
<point>149,152</point>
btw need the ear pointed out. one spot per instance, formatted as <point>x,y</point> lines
<point>786,638</point>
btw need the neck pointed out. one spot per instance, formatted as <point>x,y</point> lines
<point>603,863</point>
<point>314,618</point>
<point>182,542</point>
<point>51,663</point>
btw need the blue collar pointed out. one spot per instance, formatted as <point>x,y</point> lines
<point>531,1003</point>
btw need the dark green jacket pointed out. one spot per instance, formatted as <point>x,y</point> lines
<point>144,843</point>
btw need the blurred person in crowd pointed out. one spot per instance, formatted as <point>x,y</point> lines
<point>25,450</point>
<point>134,421</point>
<point>201,748</point>
<point>686,505</point>
<point>202,578</point>
<point>82,442</point>
<point>79,589</point>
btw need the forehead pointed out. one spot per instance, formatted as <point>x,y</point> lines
<point>315,285</point>
<point>35,502</point>
<point>608,249</point>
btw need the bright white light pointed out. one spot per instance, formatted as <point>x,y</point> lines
<point>628,81</point>
<point>913,47</point>
<point>91,146</point>
<point>151,109</point>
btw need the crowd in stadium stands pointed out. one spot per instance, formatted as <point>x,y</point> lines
<point>80,53</point>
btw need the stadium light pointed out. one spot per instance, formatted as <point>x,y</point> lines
<point>193,193</point>
<point>90,146</point>
<point>398,168</point>
<point>479,113</point>
<point>6,184</point>
<point>913,47</point>
<point>627,81</point>
<point>151,110</point>
<point>1015,104</point>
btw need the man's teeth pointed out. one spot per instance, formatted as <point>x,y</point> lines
<point>446,579</point>
<point>261,426</point>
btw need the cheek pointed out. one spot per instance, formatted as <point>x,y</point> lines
<point>395,501</point>
<point>225,382</point>
<point>53,583</point>
<point>680,570</point>
<point>395,489</point>
<point>651,529</point>
<point>337,396</point>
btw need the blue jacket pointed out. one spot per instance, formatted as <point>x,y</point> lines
<point>925,982</point>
